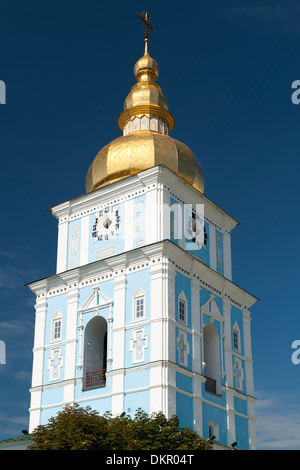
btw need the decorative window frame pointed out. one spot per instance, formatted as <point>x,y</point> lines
<point>57,318</point>
<point>236,330</point>
<point>137,297</point>
<point>182,299</point>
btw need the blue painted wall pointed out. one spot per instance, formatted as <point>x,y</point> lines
<point>184,410</point>
<point>134,380</point>
<point>139,221</point>
<point>242,433</point>
<point>135,400</point>
<point>240,405</point>
<point>212,413</point>
<point>74,237</point>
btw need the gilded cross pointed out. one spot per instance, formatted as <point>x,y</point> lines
<point>146,20</point>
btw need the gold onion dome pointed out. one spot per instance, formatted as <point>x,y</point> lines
<point>145,143</point>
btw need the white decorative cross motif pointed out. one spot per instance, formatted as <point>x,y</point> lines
<point>238,373</point>
<point>55,362</point>
<point>137,345</point>
<point>183,346</point>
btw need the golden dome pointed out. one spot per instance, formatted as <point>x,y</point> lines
<point>146,123</point>
<point>139,151</point>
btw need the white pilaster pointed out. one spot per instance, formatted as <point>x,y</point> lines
<point>35,409</point>
<point>195,310</point>
<point>212,247</point>
<point>128,229</point>
<point>227,256</point>
<point>248,354</point>
<point>158,344</point>
<point>227,342</point>
<point>118,340</point>
<point>39,341</point>
<point>38,362</point>
<point>197,404</point>
<point>251,423</point>
<point>231,432</point>
<point>152,205</point>
<point>84,241</point>
<point>71,345</point>
<point>62,247</point>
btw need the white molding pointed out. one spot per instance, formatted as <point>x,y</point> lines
<point>84,240</point>
<point>211,309</point>
<point>92,302</point>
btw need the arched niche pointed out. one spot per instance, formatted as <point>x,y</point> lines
<point>212,359</point>
<point>95,353</point>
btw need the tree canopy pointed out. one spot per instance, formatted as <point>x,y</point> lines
<point>77,428</point>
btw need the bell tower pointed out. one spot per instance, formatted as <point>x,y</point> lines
<point>142,310</point>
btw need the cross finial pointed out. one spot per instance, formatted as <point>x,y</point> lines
<point>146,20</point>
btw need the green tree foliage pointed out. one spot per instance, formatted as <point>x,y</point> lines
<point>76,428</point>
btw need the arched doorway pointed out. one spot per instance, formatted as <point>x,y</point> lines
<point>212,359</point>
<point>95,353</point>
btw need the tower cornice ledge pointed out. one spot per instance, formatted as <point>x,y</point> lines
<point>164,250</point>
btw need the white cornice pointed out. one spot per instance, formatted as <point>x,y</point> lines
<point>132,261</point>
<point>129,187</point>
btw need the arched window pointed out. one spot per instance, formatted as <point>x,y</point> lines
<point>144,123</point>
<point>95,353</point>
<point>212,359</point>
<point>153,123</point>
<point>160,126</point>
<point>136,124</point>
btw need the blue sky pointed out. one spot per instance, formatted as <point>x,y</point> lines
<point>226,68</point>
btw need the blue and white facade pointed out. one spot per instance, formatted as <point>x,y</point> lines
<point>138,316</point>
